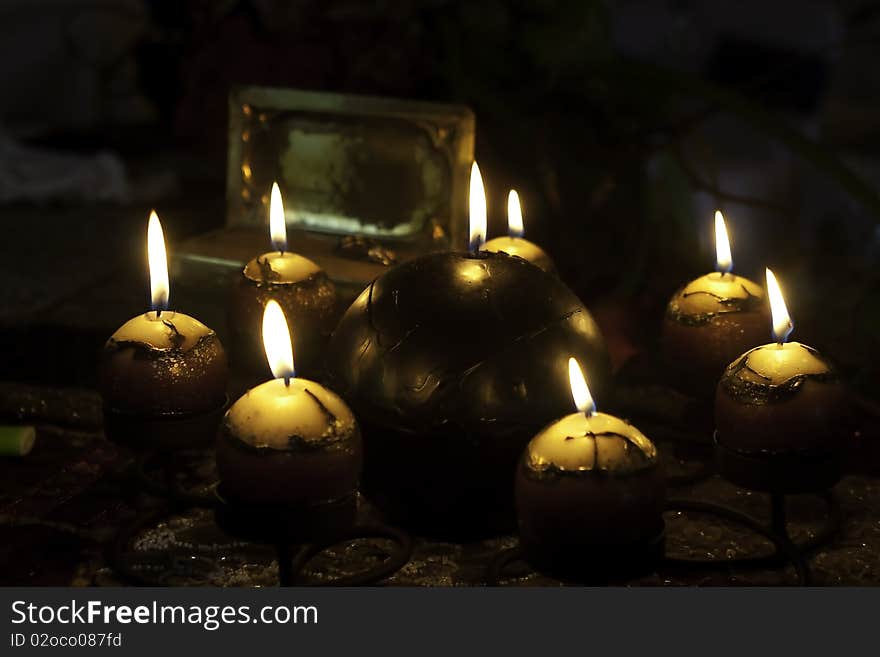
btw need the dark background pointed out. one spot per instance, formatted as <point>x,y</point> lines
<point>623,124</point>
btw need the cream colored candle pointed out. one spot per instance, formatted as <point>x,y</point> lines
<point>289,441</point>
<point>775,364</point>
<point>162,361</point>
<point>712,320</point>
<point>305,292</point>
<point>780,396</point>
<point>588,486</point>
<point>162,331</point>
<point>514,243</point>
<point>715,293</point>
<point>284,415</point>
<point>580,442</point>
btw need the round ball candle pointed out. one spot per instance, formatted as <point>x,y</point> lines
<point>712,320</point>
<point>162,363</point>
<point>289,442</point>
<point>587,483</point>
<point>780,396</point>
<point>514,243</point>
<point>301,288</point>
<point>452,363</point>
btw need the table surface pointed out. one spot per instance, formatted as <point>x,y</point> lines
<point>62,506</point>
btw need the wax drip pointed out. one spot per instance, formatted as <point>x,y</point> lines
<point>729,305</point>
<point>146,350</point>
<point>328,414</point>
<point>177,338</point>
<point>267,274</point>
<point>759,393</point>
<point>551,469</point>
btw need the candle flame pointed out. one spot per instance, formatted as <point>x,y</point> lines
<point>514,215</point>
<point>477,200</point>
<point>782,324</point>
<point>159,288</point>
<point>277,224</point>
<point>723,258</point>
<point>276,341</point>
<point>583,400</point>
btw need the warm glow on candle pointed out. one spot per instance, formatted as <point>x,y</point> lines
<point>514,215</point>
<point>782,324</point>
<point>723,258</point>
<point>477,200</point>
<point>277,224</point>
<point>583,400</point>
<point>159,288</point>
<point>276,341</point>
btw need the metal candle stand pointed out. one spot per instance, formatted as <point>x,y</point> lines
<point>778,473</point>
<point>165,431</point>
<point>297,534</point>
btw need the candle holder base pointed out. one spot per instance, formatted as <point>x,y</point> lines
<point>163,431</point>
<point>786,471</point>
<point>589,564</point>
<point>275,523</point>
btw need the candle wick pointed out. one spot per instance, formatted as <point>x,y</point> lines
<point>158,313</point>
<point>287,381</point>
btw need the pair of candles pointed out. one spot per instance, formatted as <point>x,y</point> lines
<point>288,441</point>
<point>779,395</point>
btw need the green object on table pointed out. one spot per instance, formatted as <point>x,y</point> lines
<point>16,440</point>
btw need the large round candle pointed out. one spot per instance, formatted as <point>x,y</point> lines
<point>514,243</point>
<point>451,362</point>
<point>162,362</point>
<point>289,441</point>
<point>588,482</point>
<point>301,288</point>
<point>713,319</point>
<point>780,396</point>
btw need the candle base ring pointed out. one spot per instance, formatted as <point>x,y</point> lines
<point>163,431</point>
<point>397,557</point>
<point>780,471</point>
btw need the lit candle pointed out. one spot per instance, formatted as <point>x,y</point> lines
<point>300,286</point>
<point>588,483</point>
<point>289,441</point>
<point>450,362</point>
<point>780,396</point>
<point>514,243</point>
<point>163,363</point>
<point>713,319</point>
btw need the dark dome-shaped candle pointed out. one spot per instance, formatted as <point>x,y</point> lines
<point>162,374</point>
<point>289,442</point>
<point>302,289</point>
<point>781,398</point>
<point>452,362</point>
<point>711,320</point>
<point>163,362</point>
<point>588,483</point>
